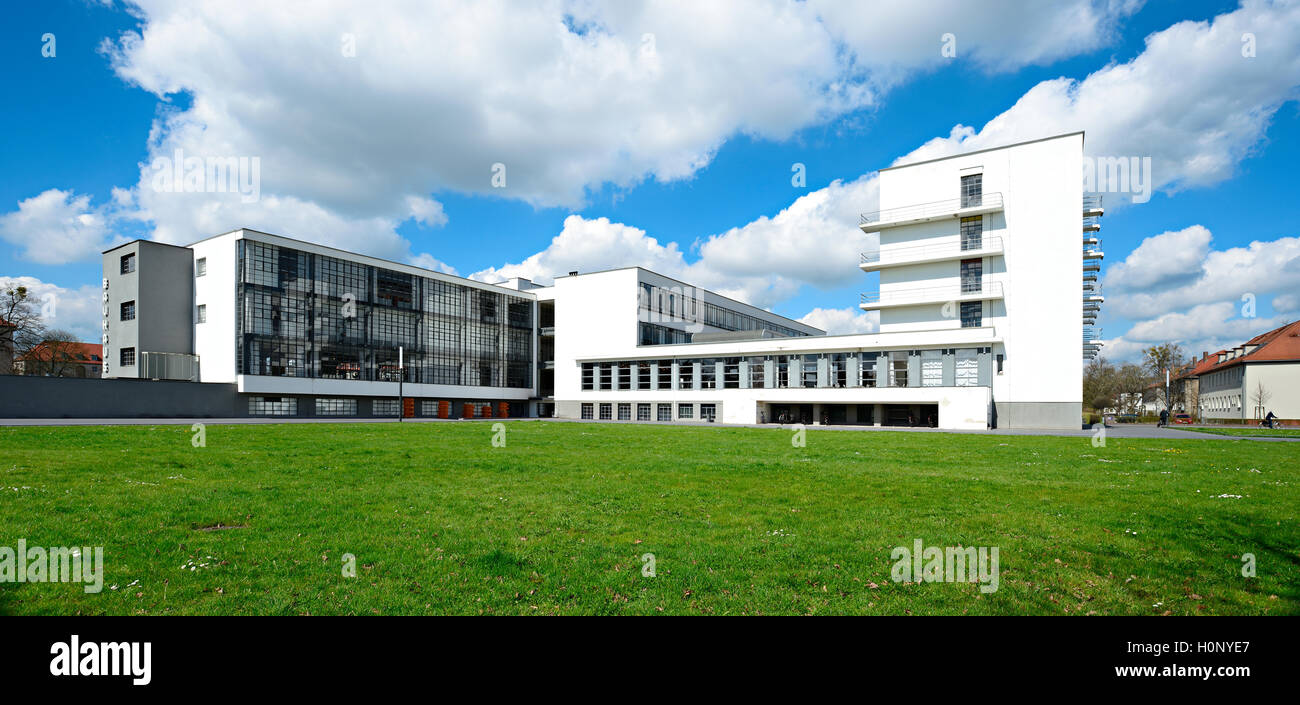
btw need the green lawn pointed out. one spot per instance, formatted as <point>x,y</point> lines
<point>1248,431</point>
<point>556,522</point>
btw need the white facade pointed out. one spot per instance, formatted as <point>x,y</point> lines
<point>1014,364</point>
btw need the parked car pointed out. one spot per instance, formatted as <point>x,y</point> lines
<point>1183,419</point>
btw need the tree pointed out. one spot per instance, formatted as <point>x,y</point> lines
<point>1259,397</point>
<point>1158,360</point>
<point>1100,389</point>
<point>1131,382</point>
<point>18,306</point>
<point>54,357</point>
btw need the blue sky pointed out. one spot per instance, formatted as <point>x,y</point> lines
<point>674,153</point>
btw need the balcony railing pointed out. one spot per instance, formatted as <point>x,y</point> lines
<point>924,252</point>
<point>1092,203</point>
<point>936,209</point>
<point>967,290</point>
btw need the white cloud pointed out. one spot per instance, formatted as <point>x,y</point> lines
<point>1190,100</point>
<point>842,321</point>
<point>1161,260</point>
<point>57,227</point>
<point>428,261</point>
<point>74,310</point>
<point>426,211</point>
<point>592,245</point>
<point>1287,303</point>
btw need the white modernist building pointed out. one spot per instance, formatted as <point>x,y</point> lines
<point>979,266</point>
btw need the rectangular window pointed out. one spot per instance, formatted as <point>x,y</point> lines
<point>200,266</point>
<point>606,376</point>
<point>898,369</point>
<point>838,369</point>
<point>606,412</point>
<point>809,370</point>
<point>201,314</point>
<point>385,407</point>
<point>968,367</point>
<point>128,310</point>
<point>336,407</point>
<point>127,357</point>
<point>587,411</point>
<point>665,380</point>
<point>588,376</point>
<point>708,374</point>
<point>708,412</point>
<point>624,412</point>
<point>272,406</point>
<point>642,412</point>
<point>685,411</point>
<point>972,233</point>
<point>756,371</point>
<point>868,369</point>
<point>664,412</point>
<point>972,276</point>
<point>624,375</point>
<point>972,191</point>
<point>643,376</point>
<point>685,374</point>
<point>128,263</point>
<point>972,314</point>
<point>782,371</point>
<point>931,368</point>
<point>731,373</point>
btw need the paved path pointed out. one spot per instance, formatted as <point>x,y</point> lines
<point>1117,431</point>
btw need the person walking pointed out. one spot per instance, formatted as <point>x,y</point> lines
<point>1164,418</point>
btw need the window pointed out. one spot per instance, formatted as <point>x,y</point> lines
<point>643,376</point>
<point>708,374</point>
<point>664,412</point>
<point>624,412</point>
<point>624,375</point>
<point>731,373</point>
<point>128,263</point>
<point>809,370</point>
<point>931,368</point>
<point>968,367</point>
<point>685,411</point>
<point>385,407</point>
<point>587,411</point>
<point>588,376</point>
<point>782,371</point>
<point>606,376</point>
<point>1000,360</point>
<point>972,191</point>
<point>756,371</point>
<point>127,357</point>
<point>898,369</point>
<point>200,266</point>
<point>685,374</point>
<point>336,407</point>
<point>837,369</point>
<point>642,412</point>
<point>972,233</point>
<point>606,412</point>
<point>272,406</point>
<point>128,310</point>
<point>972,314</point>
<point>708,412</point>
<point>665,374</point>
<point>972,272</point>
<point>201,314</point>
<point>868,367</point>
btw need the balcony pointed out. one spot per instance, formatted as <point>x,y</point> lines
<point>894,298</point>
<point>917,254</point>
<point>1093,254</point>
<point>926,212</point>
<point>1092,206</point>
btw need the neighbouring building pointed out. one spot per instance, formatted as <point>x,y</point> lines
<point>1247,381</point>
<point>57,358</point>
<point>979,265</point>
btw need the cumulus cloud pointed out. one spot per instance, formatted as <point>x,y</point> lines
<point>842,321</point>
<point>1168,258</point>
<point>426,211</point>
<point>74,310</point>
<point>57,227</point>
<point>1191,101</point>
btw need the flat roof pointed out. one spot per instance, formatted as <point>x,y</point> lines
<point>981,151</point>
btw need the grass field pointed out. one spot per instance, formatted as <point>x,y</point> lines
<point>557,521</point>
<point>1247,432</point>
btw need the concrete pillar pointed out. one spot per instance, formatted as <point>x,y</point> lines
<point>744,373</point>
